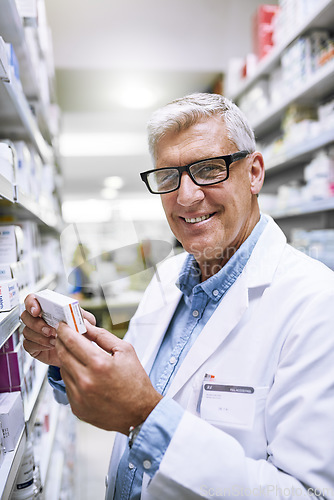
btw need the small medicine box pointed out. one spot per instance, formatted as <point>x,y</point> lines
<point>57,307</point>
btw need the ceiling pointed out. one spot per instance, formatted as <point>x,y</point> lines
<point>110,53</point>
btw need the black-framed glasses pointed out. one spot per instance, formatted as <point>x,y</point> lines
<point>202,173</point>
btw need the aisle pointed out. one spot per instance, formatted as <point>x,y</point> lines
<point>93,449</point>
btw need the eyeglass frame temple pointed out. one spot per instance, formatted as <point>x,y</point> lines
<point>229,159</point>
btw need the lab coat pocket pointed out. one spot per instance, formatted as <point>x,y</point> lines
<point>229,406</point>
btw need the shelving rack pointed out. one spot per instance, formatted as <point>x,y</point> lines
<point>18,122</point>
<point>287,164</point>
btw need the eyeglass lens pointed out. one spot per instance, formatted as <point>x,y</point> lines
<point>203,172</point>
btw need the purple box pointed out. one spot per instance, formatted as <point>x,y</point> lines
<point>4,374</point>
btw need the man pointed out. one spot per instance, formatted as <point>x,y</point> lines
<point>236,335</point>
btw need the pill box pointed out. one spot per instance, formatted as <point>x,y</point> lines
<point>57,307</point>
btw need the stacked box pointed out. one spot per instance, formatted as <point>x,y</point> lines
<point>263,29</point>
<point>12,418</point>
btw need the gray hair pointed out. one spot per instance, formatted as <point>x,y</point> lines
<point>182,113</point>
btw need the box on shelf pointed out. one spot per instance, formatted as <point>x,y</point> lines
<point>7,162</point>
<point>27,8</point>
<point>9,295</point>
<point>11,243</point>
<point>263,29</point>
<point>12,418</point>
<point>23,167</point>
<point>4,63</point>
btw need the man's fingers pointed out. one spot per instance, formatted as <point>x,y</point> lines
<point>35,349</point>
<point>77,345</point>
<point>32,305</point>
<point>37,324</point>
<point>38,339</point>
<point>104,339</point>
<point>89,316</point>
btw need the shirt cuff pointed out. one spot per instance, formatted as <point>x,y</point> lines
<point>155,435</point>
<point>58,385</point>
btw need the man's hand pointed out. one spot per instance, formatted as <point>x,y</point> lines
<point>40,338</point>
<point>106,384</point>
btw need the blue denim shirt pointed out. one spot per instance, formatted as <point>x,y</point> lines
<point>197,304</point>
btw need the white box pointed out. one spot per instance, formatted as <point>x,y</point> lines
<point>4,63</point>
<point>7,162</point>
<point>57,307</point>
<point>12,418</point>
<point>11,243</point>
<point>9,295</point>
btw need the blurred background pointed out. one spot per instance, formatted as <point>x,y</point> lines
<point>78,83</point>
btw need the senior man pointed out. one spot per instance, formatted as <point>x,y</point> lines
<point>224,385</point>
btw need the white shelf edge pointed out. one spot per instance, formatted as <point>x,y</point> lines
<point>45,216</point>
<point>267,63</point>
<point>29,406</point>
<point>48,443</point>
<point>7,190</point>
<point>12,318</point>
<point>283,159</point>
<point>28,120</point>
<point>305,209</point>
<point>273,114</point>
<point>10,466</point>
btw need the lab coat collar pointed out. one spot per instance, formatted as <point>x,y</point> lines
<point>259,271</point>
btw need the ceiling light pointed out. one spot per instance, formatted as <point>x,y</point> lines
<point>113,182</point>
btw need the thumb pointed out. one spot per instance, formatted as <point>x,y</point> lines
<point>104,339</point>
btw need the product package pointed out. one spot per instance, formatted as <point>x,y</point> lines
<point>9,295</point>
<point>12,418</point>
<point>57,307</point>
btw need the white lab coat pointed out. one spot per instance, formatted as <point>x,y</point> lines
<point>273,331</point>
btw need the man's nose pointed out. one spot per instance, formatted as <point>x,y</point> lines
<point>189,193</point>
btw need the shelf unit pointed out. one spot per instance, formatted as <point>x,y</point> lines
<point>289,163</point>
<point>322,17</point>
<point>18,122</point>
<point>9,467</point>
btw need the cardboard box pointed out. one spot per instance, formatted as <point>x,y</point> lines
<point>57,307</point>
<point>9,295</point>
<point>12,418</point>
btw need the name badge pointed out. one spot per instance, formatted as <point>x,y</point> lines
<point>231,405</point>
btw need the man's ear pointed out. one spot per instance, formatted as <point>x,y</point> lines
<point>256,172</point>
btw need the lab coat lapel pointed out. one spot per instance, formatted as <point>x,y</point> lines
<point>213,334</point>
<point>259,272</point>
<point>159,322</point>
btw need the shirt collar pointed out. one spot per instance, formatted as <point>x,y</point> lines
<point>215,287</point>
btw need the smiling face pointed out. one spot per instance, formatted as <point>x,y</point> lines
<point>211,222</point>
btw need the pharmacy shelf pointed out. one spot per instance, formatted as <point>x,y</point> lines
<point>305,209</point>
<point>10,466</point>
<point>49,281</point>
<point>31,405</point>
<point>12,31</point>
<point>7,189</point>
<point>9,322</point>
<point>300,153</point>
<point>17,120</point>
<point>321,17</point>
<point>24,207</point>
<point>38,210</point>
<point>319,85</point>
<point>48,441</point>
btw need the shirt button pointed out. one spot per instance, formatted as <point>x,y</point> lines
<point>147,464</point>
<point>172,360</point>
<point>106,481</point>
<point>215,293</point>
<point>131,466</point>
<point>195,313</point>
